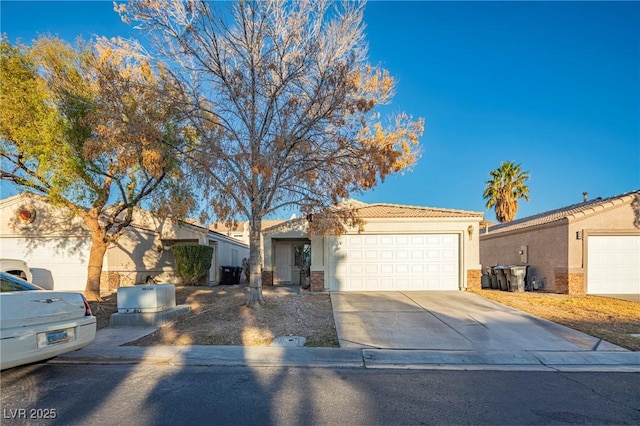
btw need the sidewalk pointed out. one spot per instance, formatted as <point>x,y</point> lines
<point>108,349</point>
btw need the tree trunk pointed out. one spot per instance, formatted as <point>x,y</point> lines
<point>96,259</point>
<point>255,261</point>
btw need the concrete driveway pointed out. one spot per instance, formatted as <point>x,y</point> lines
<point>448,320</point>
<point>627,297</point>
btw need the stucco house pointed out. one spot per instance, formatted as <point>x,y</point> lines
<point>240,230</point>
<point>591,247</point>
<point>55,243</point>
<point>399,248</point>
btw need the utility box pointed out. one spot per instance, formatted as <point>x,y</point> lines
<point>146,298</point>
<point>524,254</point>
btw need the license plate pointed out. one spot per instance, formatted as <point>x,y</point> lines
<point>58,336</point>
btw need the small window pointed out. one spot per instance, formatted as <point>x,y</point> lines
<point>12,283</point>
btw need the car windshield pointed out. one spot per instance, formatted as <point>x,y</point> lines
<point>13,283</point>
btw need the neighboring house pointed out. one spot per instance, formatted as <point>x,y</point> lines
<point>399,248</point>
<point>56,243</point>
<point>592,247</point>
<point>240,230</point>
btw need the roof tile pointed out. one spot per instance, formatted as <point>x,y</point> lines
<point>394,211</point>
<point>571,211</point>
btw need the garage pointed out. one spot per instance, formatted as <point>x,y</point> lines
<point>391,247</point>
<point>613,264</point>
<point>395,262</point>
<point>59,263</point>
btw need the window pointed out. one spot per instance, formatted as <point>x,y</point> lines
<point>10,283</point>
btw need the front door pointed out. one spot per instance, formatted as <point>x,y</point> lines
<point>283,263</point>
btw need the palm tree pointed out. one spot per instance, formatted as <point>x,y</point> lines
<point>507,184</point>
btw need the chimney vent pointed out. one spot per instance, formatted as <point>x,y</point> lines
<point>584,197</point>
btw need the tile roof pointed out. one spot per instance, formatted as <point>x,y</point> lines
<point>394,211</point>
<point>239,226</point>
<point>572,212</point>
<point>391,211</point>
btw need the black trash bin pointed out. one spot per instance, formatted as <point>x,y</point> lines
<point>236,273</point>
<point>226,275</point>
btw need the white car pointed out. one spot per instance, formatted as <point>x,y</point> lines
<point>16,267</point>
<point>37,324</point>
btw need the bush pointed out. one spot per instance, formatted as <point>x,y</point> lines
<point>192,262</point>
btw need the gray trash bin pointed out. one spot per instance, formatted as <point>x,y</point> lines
<point>507,274</point>
<point>518,274</point>
<point>501,277</point>
<point>485,281</point>
<point>492,277</point>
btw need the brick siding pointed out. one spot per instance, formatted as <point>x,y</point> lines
<point>569,283</point>
<point>267,278</point>
<point>317,281</point>
<point>474,279</point>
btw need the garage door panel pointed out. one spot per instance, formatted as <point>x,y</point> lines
<point>355,255</point>
<point>59,264</point>
<point>402,254</point>
<point>417,269</point>
<point>402,241</point>
<point>386,269</point>
<point>396,262</point>
<point>417,254</point>
<point>613,264</point>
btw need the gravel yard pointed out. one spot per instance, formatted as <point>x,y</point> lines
<point>219,317</point>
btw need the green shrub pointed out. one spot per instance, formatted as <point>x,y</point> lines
<point>192,262</point>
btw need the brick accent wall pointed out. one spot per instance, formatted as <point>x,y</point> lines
<point>109,282</point>
<point>317,281</point>
<point>569,283</point>
<point>267,278</point>
<point>474,279</point>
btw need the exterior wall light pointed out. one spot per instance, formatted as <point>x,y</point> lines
<point>470,231</point>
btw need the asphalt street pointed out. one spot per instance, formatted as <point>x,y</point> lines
<point>68,394</point>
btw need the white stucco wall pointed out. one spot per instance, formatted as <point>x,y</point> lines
<point>321,247</point>
<point>56,246</point>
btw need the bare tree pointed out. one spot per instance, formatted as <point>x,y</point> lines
<point>87,128</point>
<point>284,102</point>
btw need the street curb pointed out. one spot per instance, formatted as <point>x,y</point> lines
<point>260,356</point>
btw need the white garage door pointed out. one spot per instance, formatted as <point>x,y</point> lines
<point>395,263</point>
<point>613,264</point>
<point>56,263</point>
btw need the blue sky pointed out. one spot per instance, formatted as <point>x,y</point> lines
<point>554,86</point>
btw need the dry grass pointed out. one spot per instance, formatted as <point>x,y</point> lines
<point>609,319</point>
<point>219,317</point>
